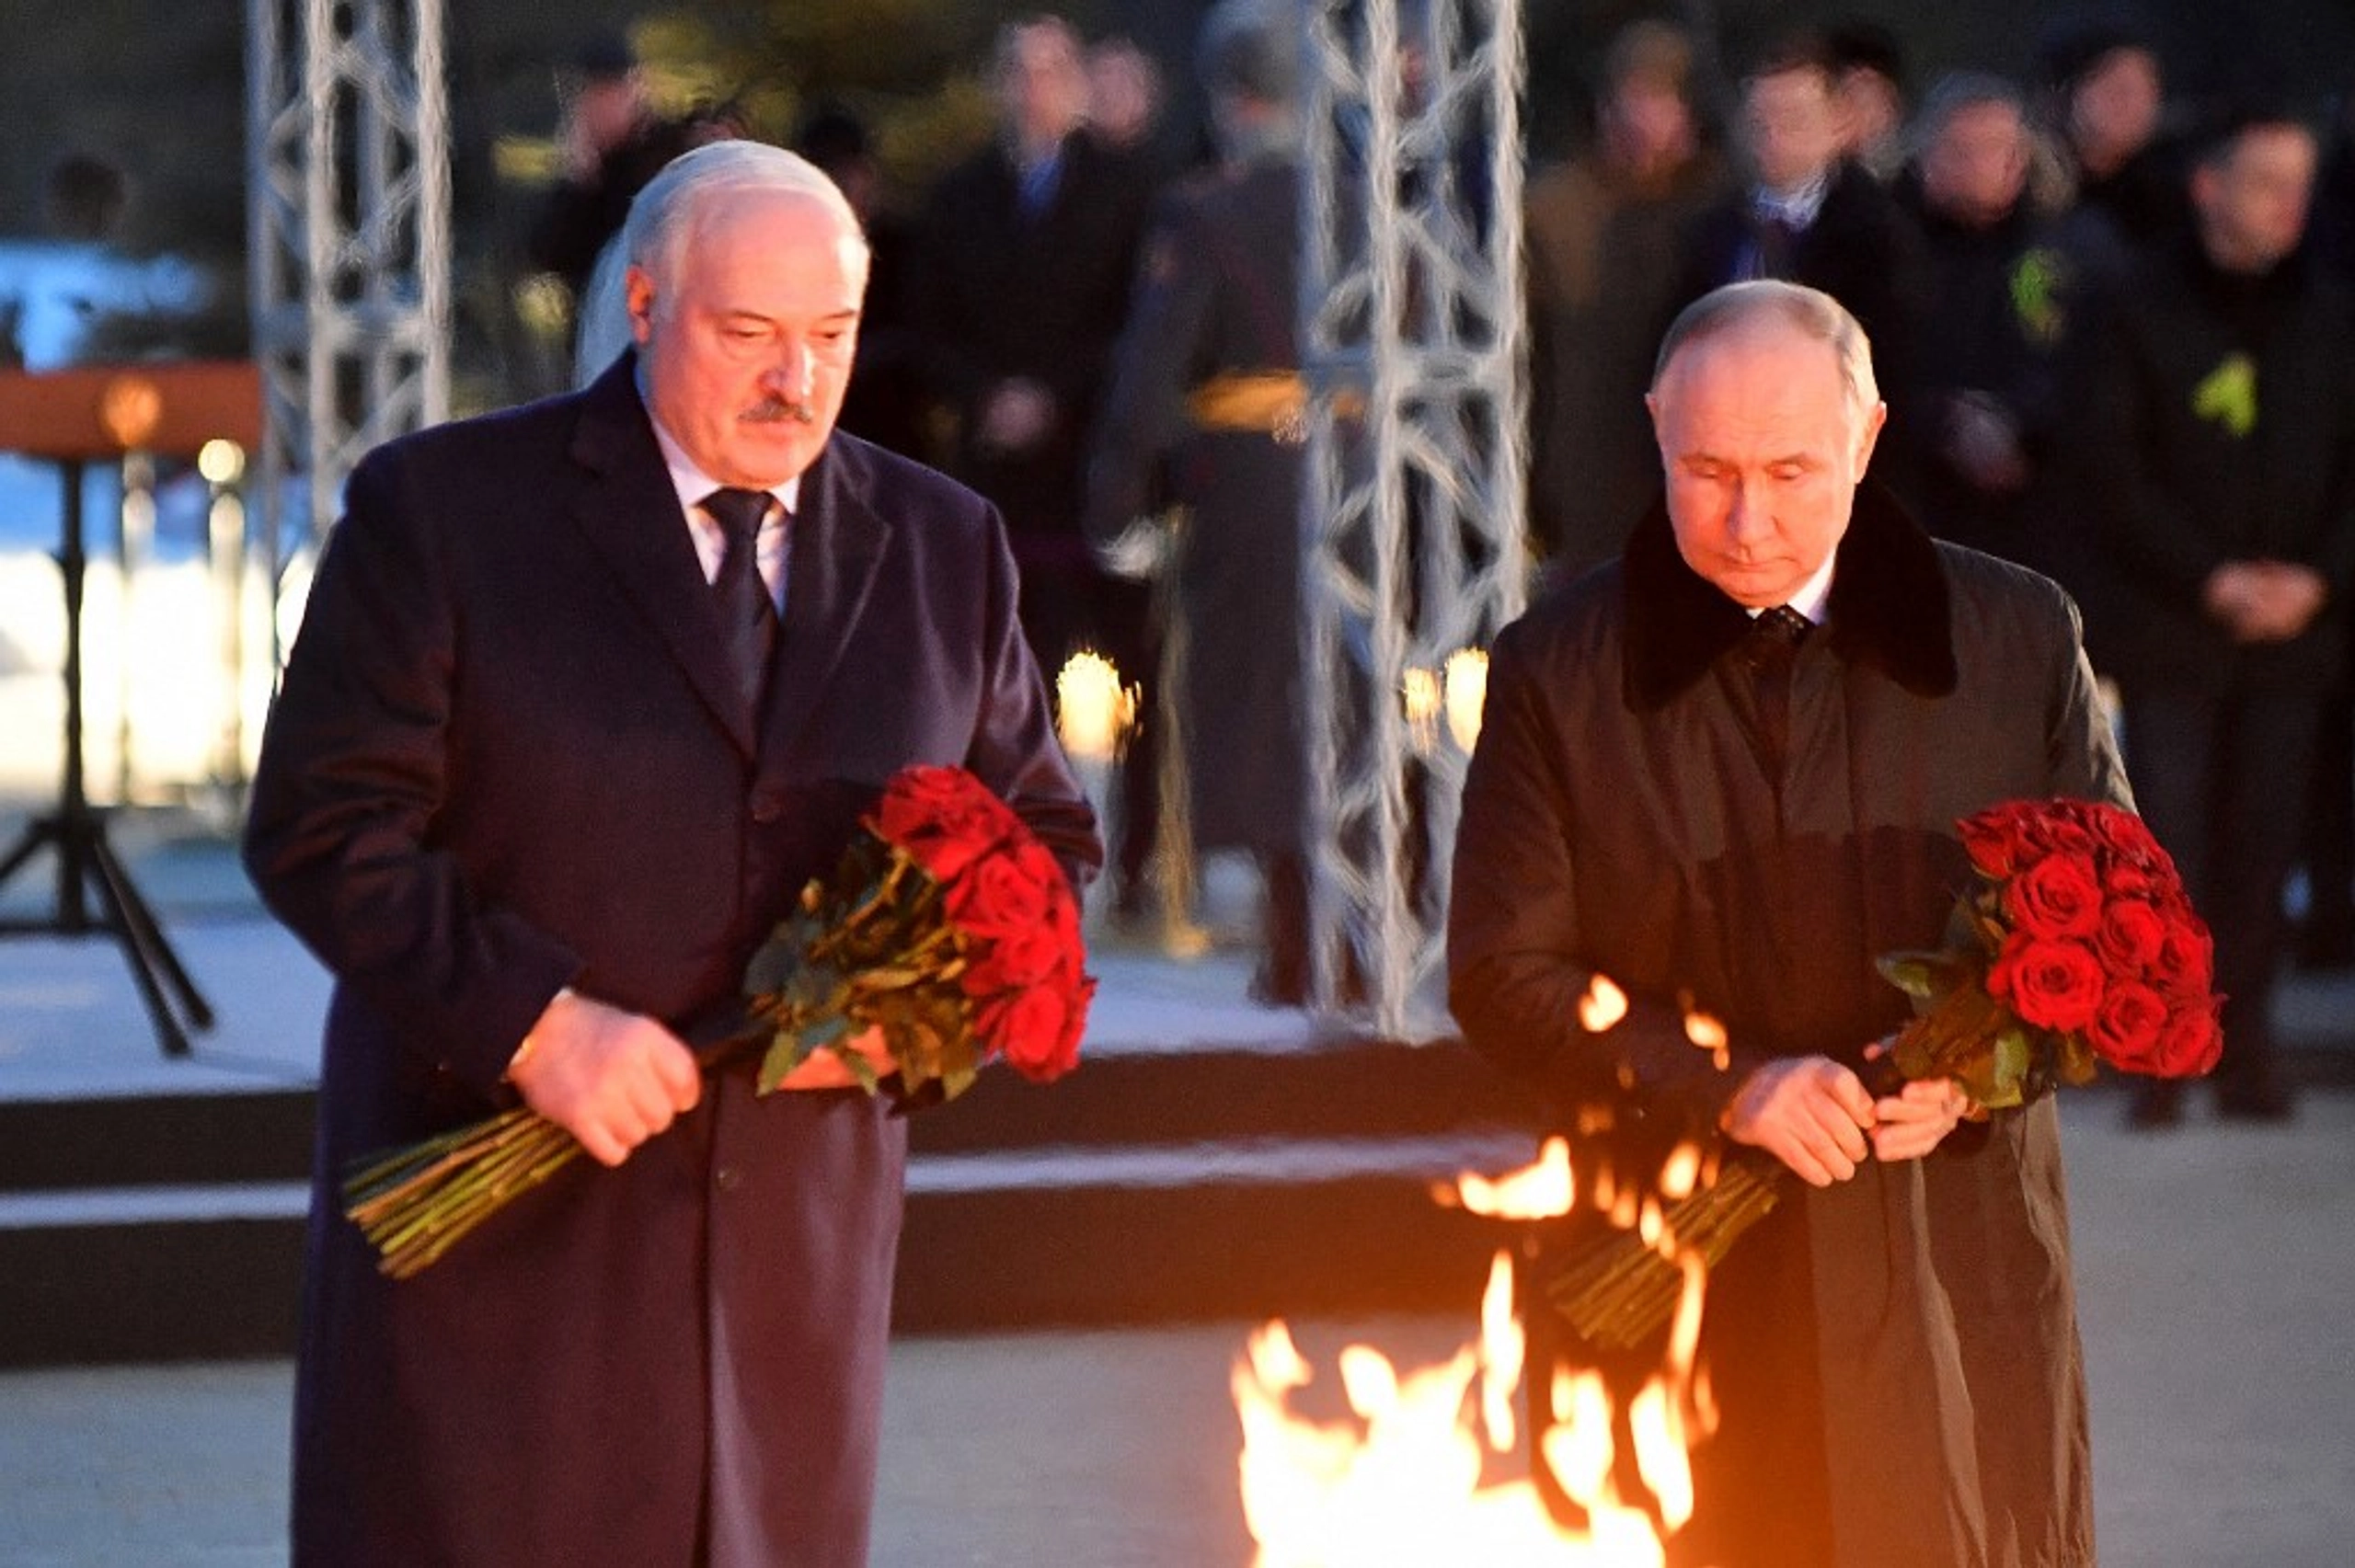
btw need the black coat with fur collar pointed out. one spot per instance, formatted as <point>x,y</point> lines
<point>1619,820</point>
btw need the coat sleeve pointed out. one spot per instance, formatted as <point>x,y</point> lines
<point>354,772</point>
<point>2081,743</point>
<point>1519,942</point>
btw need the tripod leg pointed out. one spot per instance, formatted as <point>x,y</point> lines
<point>143,944</point>
<point>29,843</point>
<point>149,933</point>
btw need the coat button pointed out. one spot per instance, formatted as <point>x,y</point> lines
<point>767,807</point>
<point>728,1178</point>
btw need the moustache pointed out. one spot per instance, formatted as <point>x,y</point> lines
<point>777,411</point>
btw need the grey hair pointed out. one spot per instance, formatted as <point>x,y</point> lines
<point>663,217</point>
<point>1814,313</point>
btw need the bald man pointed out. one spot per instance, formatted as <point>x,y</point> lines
<point>1724,771</point>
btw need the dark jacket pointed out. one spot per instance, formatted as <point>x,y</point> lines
<point>508,757</point>
<point>2184,474</point>
<point>1619,820</point>
<point>998,294</point>
<point>1990,310</point>
<point>1857,250</point>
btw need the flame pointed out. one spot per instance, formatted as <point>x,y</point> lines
<point>1537,1191</point>
<point>1094,710</point>
<point>1708,1035</point>
<point>1400,1485</point>
<point>1603,1005</point>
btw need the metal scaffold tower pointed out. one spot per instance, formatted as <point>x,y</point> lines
<point>1412,341</point>
<point>348,237</point>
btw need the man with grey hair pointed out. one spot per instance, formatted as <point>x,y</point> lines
<point>585,693</point>
<point>1724,772</point>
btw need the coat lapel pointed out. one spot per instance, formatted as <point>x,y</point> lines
<point>1889,607</point>
<point>834,549</point>
<point>630,516</point>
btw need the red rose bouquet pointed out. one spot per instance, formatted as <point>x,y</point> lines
<point>2075,947</point>
<point>947,925</point>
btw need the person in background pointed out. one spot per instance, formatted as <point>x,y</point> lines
<point>1724,773</point>
<point>1123,96</point>
<point>2222,439</point>
<point>585,694</point>
<point>1204,412</point>
<point>2107,90</point>
<point>1868,83</point>
<point>1989,322</point>
<point>1808,213</point>
<point>1025,256</point>
<point>1604,231</point>
<point>611,143</point>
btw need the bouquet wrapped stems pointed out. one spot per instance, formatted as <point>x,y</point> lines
<point>1616,1292</point>
<point>417,1203</point>
<point>947,927</point>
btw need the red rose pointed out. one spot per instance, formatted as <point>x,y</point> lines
<point>2054,985</point>
<point>2190,1043</point>
<point>2126,1030</point>
<point>1026,956</point>
<point>2184,965</point>
<point>1995,838</point>
<point>944,817</point>
<point>1028,1027</point>
<point>2058,896</point>
<point>1000,895</point>
<point>2131,934</point>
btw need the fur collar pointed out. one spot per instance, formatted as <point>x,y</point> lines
<point>1889,606</point>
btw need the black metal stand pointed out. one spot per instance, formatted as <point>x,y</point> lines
<point>76,834</point>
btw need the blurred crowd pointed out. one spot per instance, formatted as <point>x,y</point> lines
<point>2111,326</point>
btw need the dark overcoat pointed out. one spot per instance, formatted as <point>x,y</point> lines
<point>1896,1358</point>
<point>506,759</point>
<point>1216,297</point>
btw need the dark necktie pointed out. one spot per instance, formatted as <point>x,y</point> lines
<point>1768,652</point>
<point>745,607</point>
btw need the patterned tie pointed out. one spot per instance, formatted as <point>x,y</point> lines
<point>1768,651</point>
<point>745,607</point>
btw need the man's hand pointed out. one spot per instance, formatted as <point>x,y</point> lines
<point>2264,601</point>
<point>1916,1119</point>
<point>826,1070</point>
<point>612,1078</point>
<point>1808,1112</point>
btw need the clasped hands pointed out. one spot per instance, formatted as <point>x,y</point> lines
<point>1817,1118</point>
<point>614,1078</point>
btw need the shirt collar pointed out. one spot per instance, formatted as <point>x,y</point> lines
<point>687,475</point>
<point>1796,207</point>
<point>1813,599</point>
